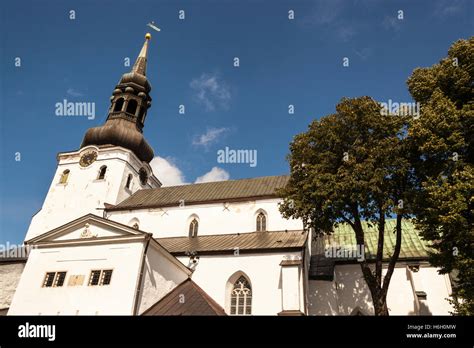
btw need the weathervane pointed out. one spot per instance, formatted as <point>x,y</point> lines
<point>153,26</point>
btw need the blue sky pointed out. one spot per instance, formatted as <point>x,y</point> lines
<point>282,62</point>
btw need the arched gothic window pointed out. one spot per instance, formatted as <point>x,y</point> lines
<point>119,104</point>
<point>132,106</point>
<point>193,228</point>
<point>129,181</point>
<point>241,297</point>
<point>64,177</point>
<point>261,222</point>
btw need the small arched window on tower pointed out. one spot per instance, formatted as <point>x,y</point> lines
<point>102,172</point>
<point>241,297</point>
<point>129,181</point>
<point>193,228</point>
<point>141,115</point>
<point>132,106</point>
<point>64,177</point>
<point>118,105</point>
<point>261,222</point>
<point>143,175</point>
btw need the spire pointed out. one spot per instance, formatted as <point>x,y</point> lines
<point>130,102</point>
<point>140,65</point>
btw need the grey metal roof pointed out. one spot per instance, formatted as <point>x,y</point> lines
<point>221,191</point>
<point>251,241</point>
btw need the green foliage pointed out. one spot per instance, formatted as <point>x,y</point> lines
<point>352,166</point>
<point>351,162</point>
<point>443,160</point>
<point>358,164</point>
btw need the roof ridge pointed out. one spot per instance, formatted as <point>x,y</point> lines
<point>213,182</point>
<point>232,234</point>
<point>202,193</point>
<point>211,302</point>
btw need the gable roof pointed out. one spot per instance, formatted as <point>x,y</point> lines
<point>228,243</point>
<point>79,222</point>
<point>210,192</point>
<point>124,234</point>
<point>186,299</point>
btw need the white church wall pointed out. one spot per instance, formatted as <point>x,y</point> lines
<point>263,270</point>
<point>349,290</point>
<point>322,298</point>
<point>291,288</point>
<point>83,193</point>
<point>437,288</point>
<point>31,298</point>
<point>213,218</point>
<point>160,276</point>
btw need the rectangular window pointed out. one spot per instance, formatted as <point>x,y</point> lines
<point>106,277</point>
<point>94,279</point>
<point>49,279</point>
<point>54,279</point>
<point>60,277</point>
<point>100,277</point>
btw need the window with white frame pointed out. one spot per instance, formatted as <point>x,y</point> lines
<point>54,279</point>
<point>261,222</point>
<point>193,228</point>
<point>241,297</point>
<point>100,277</point>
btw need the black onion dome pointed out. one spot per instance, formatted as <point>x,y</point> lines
<point>126,117</point>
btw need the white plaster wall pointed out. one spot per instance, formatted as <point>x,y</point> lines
<point>83,193</point>
<point>117,298</point>
<point>322,298</point>
<point>263,270</point>
<point>10,273</point>
<point>291,288</point>
<point>96,230</point>
<point>159,278</point>
<point>349,290</point>
<point>437,288</point>
<point>213,219</point>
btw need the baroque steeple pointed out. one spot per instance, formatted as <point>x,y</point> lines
<point>126,117</point>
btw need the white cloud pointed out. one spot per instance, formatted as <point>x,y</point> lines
<point>329,18</point>
<point>391,23</point>
<point>170,175</point>
<point>211,136</point>
<point>215,174</point>
<point>167,172</point>
<point>364,53</point>
<point>74,92</point>
<point>324,13</point>
<point>345,33</point>
<point>445,8</point>
<point>211,91</point>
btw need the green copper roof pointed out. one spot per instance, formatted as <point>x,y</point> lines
<point>413,247</point>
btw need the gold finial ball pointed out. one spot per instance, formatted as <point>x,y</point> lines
<point>148,36</point>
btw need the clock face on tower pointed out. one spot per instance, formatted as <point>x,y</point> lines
<point>88,158</point>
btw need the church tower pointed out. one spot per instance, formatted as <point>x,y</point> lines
<point>112,162</point>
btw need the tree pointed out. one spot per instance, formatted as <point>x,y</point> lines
<point>442,146</point>
<point>348,167</point>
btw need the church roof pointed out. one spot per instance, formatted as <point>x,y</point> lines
<point>210,192</point>
<point>412,248</point>
<point>228,243</point>
<point>186,299</point>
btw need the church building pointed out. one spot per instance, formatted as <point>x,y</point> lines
<point>111,240</point>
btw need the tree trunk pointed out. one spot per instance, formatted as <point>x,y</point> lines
<point>380,304</point>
